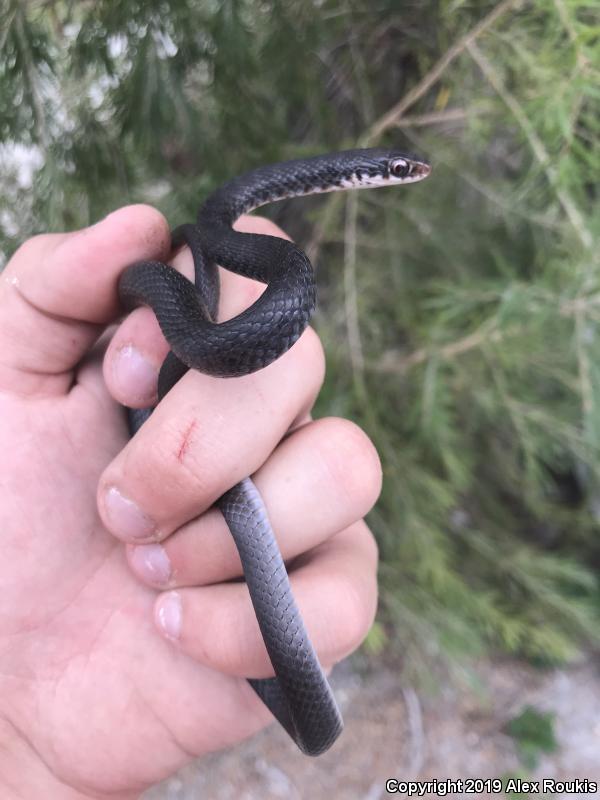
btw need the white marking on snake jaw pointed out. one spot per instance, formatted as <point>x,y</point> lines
<point>12,280</point>
<point>363,181</point>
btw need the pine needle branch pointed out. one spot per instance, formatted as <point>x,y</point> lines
<point>537,146</point>
<point>32,78</point>
<point>392,117</point>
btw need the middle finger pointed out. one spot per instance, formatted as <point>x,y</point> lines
<point>206,435</point>
<point>317,482</point>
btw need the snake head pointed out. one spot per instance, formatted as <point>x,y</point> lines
<point>379,167</point>
<point>404,168</point>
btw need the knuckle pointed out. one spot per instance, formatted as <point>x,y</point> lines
<point>352,462</point>
<point>227,645</point>
<point>214,640</point>
<point>160,467</point>
<point>176,451</point>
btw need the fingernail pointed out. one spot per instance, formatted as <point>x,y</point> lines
<point>134,375</point>
<point>125,518</point>
<point>168,614</point>
<point>151,563</point>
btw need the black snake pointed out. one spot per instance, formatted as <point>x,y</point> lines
<point>298,696</point>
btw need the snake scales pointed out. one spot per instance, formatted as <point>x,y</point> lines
<point>299,695</point>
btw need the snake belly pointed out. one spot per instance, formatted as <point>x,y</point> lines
<point>299,695</point>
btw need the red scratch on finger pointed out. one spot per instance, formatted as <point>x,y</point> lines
<point>186,441</point>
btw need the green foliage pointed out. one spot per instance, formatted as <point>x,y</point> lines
<point>533,732</point>
<point>460,315</point>
<point>376,640</point>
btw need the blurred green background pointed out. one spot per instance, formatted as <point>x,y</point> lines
<point>460,316</point>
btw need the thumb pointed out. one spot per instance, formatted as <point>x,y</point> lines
<point>59,291</point>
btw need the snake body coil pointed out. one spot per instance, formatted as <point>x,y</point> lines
<point>298,696</point>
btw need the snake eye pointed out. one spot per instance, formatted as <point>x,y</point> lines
<point>400,168</point>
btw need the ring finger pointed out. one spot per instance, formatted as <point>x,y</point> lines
<point>318,481</point>
<point>335,589</point>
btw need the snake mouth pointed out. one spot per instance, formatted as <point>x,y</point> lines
<point>421,169</point>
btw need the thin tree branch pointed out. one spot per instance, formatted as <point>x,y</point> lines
<point>350,293</point>
<point>486,333</point>
<point>432,118</point>
<point>391,117</point>
<point>418,743</point>
<point>583,362</point>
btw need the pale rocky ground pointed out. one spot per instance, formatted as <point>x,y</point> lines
<point>391,731</point>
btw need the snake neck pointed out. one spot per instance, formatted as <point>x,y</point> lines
<point>325,173</point>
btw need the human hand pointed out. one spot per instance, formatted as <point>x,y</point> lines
<point>94,701</point>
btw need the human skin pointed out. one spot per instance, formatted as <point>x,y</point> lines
<point>124,641</point>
